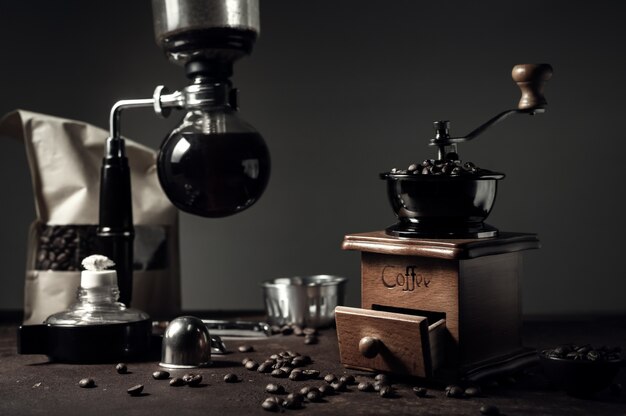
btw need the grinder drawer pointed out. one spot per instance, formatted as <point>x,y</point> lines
<point>391,342</point>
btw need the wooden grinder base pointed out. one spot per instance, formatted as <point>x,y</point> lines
<point>440,309</point>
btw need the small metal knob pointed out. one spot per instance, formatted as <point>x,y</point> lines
<point>369,347</point>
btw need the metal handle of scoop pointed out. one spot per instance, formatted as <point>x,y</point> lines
<point>530,78</point>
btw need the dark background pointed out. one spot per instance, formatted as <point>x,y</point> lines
<point>343,90</point>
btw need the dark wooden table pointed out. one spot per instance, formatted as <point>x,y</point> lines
<point>29,385</point>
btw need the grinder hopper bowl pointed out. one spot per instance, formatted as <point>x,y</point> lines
<point>440,290</point>
<point>445,198</point>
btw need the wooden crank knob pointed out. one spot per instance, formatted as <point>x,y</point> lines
<point>369,347</point>
<point>531,78</point>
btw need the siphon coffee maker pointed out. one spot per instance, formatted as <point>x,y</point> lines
<point>213,164</point>
<point>440,289</point>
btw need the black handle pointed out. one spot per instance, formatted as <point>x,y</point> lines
<point>116,233</point>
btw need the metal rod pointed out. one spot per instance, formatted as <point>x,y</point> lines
<point>116,112</point>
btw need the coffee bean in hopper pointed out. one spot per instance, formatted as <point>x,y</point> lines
<point>135,390</point>
<point>87,383</point>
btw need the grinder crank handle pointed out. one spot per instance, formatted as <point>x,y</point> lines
<point>531,79</point>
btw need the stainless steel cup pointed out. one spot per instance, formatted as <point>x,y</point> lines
<point>307,300</point>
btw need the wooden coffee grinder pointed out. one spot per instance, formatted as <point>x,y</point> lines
<point>440,290</point>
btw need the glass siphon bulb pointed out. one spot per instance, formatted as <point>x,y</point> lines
<point>213,164</point>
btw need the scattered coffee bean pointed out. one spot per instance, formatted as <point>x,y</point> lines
<point>275,329</point>
<point>297,330</point>
<point>177,382</point>
<point>310,373</point>
<point>87,383</point>
<point>309,331</point>
<point>278,373</point>
<point>286,330</point>
<point>270,405</point>
<point>298,362</point>
<point>274,357</point>
<point>326,390</point>
<point>472,391</point>
<point>245,360</point>
<point>305,390</point>
<point>287,369</point>
<point>385,391</point>
<point>330,378</point>
<point>377,385</point>
<point>365,386</point>
<point>160,375</point>
<point>295,396</point>
<point>296,375</point>
<point>454,391</point>
<point>383,378</point>
<point>121,368</point>
<point>420,391</point>
<point>192,380</point>
<point>245,348</point>
<point>489,410</point>
<point>231,378</point>
<point>348,380</point>
<point>135,390</point>
<point>252,365</point>
<point>264,368</point>
<point>310,340</point>
<point>291,404</point>
<point>338,386</point>
<point>274,388</point>
<point>314,395</point>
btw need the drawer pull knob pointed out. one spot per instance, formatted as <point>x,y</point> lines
<point>369,347</point>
